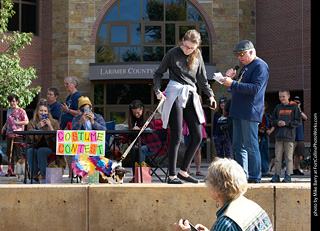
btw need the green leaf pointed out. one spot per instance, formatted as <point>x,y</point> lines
<point>14,79</point>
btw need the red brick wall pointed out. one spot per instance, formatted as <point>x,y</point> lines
<point>46,46</point>
<point>283,38</point>
<point>39,53</point>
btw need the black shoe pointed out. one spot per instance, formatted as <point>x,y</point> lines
<point>174,181</point>
<point>266,175</point>
<point>297,172</point>
<point>189,178</point>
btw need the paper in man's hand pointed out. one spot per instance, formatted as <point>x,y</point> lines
<point>217,77</point>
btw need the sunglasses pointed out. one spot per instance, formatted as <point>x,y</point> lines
<point>241,54</point>
<point>43,103</point>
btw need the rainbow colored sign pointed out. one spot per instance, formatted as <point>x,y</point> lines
<point>74,142</point>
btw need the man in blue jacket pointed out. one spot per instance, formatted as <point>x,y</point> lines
<point>248,89</point>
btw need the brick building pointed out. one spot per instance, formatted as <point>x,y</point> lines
<point>283,40</point>
<point>88,38</point>
<point>39,54</point>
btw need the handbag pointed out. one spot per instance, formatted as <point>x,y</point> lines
<point>146,176</point>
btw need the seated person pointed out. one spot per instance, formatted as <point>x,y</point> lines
<point>150,143</point>
<point>87,120</point>
<point>227,182</point>
<point>44,144</point>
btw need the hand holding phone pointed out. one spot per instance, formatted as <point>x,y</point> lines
<point>213,105</point>
<point>192,227</point>
<point>44,116</point>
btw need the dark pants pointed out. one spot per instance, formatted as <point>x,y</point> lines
<point>175,124</point>
<point>223,146</point>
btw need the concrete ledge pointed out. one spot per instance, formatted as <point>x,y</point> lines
<point>152,207</point>
<point>293,207</point>
<point>59,207</point>
<point>139,206</point>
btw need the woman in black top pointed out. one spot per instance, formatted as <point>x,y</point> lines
<point>186,68</point>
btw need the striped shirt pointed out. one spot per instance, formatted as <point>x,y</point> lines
<point>223,222</point>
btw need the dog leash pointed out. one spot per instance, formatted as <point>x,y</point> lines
<point>141,130</point>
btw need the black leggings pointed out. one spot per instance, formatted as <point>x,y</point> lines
<point>175,123</point>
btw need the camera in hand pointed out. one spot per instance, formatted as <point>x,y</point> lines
<point>224,126</point>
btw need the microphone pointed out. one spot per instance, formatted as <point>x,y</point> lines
<point>235,68</point>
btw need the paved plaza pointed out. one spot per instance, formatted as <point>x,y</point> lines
<point>204,169</point>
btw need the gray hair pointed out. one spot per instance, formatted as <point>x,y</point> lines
<point>73,79</point>
<point>227,177</point>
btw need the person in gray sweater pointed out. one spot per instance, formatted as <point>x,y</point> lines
<point>285,118</point>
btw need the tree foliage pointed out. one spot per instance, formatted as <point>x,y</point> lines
<point>14,78</point>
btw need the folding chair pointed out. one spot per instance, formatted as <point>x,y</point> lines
<point>51,158</point>
<point>111,125</point>
<point>113,143</point>
<point>158,158</point>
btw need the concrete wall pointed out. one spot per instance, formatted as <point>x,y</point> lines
<point>139,206</point>
<point>59,207</point>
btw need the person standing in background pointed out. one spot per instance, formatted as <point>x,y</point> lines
<point>19,119</point>
<point>220,131</point>
<point>299,147</point>
<point>285,118</point>
<point>55,109</point>
<point>265,129</point>
<point>70,108</point>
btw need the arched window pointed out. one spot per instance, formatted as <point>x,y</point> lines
<point>144,30</point>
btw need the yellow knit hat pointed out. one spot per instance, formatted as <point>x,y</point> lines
<point>83,100</point>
